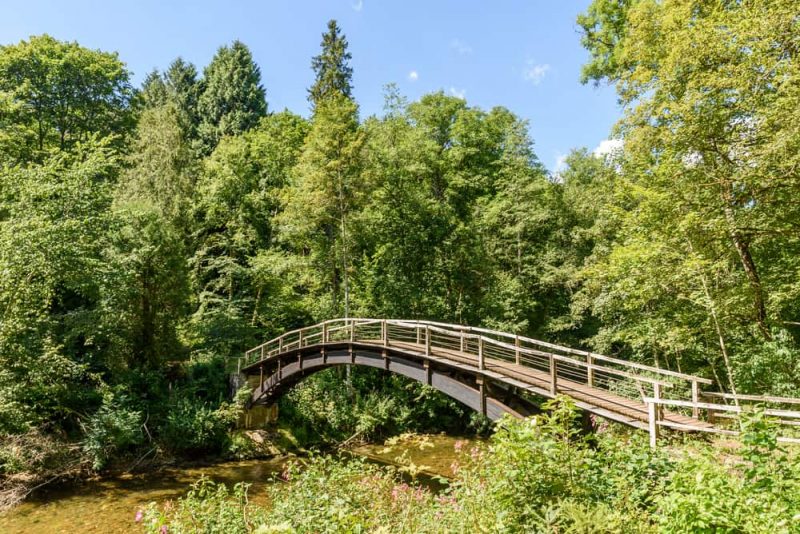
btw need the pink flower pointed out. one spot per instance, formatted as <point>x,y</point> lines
<point>163,529</point>
<point>286,474</point>
<point>454,467</point>
<point>139,516</point>
<point>458,445</point>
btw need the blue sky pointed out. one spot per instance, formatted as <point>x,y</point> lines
<point>521,54</point>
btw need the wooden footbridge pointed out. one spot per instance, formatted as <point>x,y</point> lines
<point>496,373</point>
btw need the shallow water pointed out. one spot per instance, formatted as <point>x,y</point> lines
<point>110,504</point>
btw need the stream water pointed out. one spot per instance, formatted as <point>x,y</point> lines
<point>110,504</point>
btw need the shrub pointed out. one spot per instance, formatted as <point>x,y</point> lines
<point>112,428</point>
<point>195,426</point>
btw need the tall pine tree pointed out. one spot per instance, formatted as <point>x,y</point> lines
<point>233,99</point>
<point>334,75</point>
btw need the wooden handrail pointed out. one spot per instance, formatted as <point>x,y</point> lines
<point>461,333</point>
<point>791,414</point>
<point>553,346</point>
<point>466,331</point>
<point>755,398</point>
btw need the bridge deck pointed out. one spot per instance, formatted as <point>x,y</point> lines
<point>605,402</point>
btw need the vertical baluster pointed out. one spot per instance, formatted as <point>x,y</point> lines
<point>652,423</point>
<point>427,340</point>
<point>553,374</point>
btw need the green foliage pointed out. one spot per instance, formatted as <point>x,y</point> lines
<point>232,98</point>
<point>197,427</point>
<point>209,508</point>
<point>373,405</point>
<point>66,93</point>
<point>697,272</point>
<point>111,429</point>
<point>150,289</point>
<point>536,475</point>
<point>53,232</point>
<point>332,68</point>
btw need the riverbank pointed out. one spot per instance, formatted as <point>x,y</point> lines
<point>109,503</point>
<point>535,475</point>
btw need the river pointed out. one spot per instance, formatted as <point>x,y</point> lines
<point>110,504</point>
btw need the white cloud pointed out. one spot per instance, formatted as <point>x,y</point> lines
<point>460,46</point>
<point>413,76</point>
<point>559,167</point>
<point>458,93</point>
<point>561,162</point>
<point>358,5</point>
<point>608,148</point>
<point>535,72</point>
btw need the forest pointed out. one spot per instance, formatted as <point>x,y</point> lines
<point>150,234</point>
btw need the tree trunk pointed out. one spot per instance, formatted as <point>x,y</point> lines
<point>742,246</point>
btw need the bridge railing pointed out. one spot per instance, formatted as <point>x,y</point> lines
<point>724,417</point>
<point>563,367</point>
<point>477,346</point>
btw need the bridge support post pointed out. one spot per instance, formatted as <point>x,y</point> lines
<point>300,360</point>
<point>695,399</point>
<point>652,423</point>
<point>280,370</point>
<point>384,333</point>
<point>428,372</point>
<point>482,392</point>
<point>261,376</point>
<point>553,375</point>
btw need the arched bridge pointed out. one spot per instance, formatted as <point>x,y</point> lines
<point>496,373</point>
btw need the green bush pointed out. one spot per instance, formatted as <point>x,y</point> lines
<point>536,475</point>
<point>209,508</point>
<point>114,427</point>
<point>196,426</point>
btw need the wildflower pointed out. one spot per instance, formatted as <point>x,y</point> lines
<point>475,453</point>
<point>458,445</point>
<point>454,467</point>
<point>139,516</point>
<point>286,474</point>
<point>163,529</point>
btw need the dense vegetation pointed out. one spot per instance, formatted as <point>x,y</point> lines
<point>147,234</point>
<point>537,475</point>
